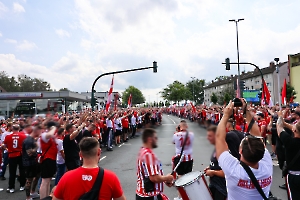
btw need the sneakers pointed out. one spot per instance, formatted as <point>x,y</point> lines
<point>29,199</point>
<point>177,198</point>
<point>34,195</point>
<point>1,189</point>
<point>22,188</point>
<point>2,178</point>
<point>273,156</point>
<point>10,190</point>
<point>283,186</point>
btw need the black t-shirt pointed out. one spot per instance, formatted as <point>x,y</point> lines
<point>233,140</point>
<point>87,133</point>
<point>29,143</point>
<point>217,182</point>
<point>71,149</point>
<point>292,147</point>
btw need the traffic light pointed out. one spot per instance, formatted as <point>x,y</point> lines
<point>259,94</point>
<point>227,61</point>
<point>242,85</point>
<point>154,67</point>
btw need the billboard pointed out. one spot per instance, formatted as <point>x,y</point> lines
<point>251,95</point>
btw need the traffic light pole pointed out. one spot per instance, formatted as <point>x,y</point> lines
<point>261,74</point>
<point>154,67</point>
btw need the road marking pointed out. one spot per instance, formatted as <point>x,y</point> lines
<point>102,158</point>
<point>172,120</point>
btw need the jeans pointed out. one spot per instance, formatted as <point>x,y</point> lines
<point>61,169</point>
<point>133,130</point>
<point>4,164</point>
<point>109,137</point>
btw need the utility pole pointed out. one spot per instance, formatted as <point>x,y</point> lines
<point>238,52</point>
<point>193,89</point>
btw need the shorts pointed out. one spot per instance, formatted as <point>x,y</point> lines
<point>139,125</point>
<point>32,171</point>
<point>48,168</point>
<point>118,132</point>
<point>274,137</point>
<point>184,167</point>
<point>125,130</point>
<point>74,164</point>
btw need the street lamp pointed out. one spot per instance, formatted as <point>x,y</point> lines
<point>238,53</point>
<point>193,89</point>
<point>154,67</point>
<point>278,81</point>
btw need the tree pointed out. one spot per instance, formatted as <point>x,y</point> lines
<point>214,98</point>
<point>176,92</point>
<point>136,94</point>
<point>63,89</point>
<point>196,87</point>
<point>23,83</point>
<point>290,92</point>
<point>226,95</point>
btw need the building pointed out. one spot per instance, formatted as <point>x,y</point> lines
<point>294,68</point>
<point>31,103</point>
<point>252,81</point>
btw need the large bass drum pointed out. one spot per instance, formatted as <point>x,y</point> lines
<point>193,186</point>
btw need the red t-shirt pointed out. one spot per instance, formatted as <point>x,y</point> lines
<point>76,182</point>
<point>125,122</point>
<point>263,123</point>
<point>239,119</point>
<point>49,147</point>
<point>14,144</point>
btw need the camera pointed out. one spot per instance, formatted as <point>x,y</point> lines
<point>237,102</point>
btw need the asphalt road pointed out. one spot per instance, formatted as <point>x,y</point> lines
<point>123,160</point>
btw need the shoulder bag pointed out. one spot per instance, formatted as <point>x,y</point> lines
<point>93,194</point>
<point>255,182</point>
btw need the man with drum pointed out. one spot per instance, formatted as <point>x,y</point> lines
<point>254,157</point>
<point>186,165</point>
<point>150,176</point>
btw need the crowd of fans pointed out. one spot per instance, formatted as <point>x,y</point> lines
<point>44,148</point>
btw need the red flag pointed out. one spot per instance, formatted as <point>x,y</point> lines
<point>265,96</point>
<point>283,93</point>
<point>193,107</point>
<point>109,98</point>
<point>129,101</point>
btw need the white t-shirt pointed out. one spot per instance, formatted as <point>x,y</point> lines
<point>133,121</point>
<point>118,121</point>
<point>238,183</point>
<point>178,139</point>
<point>3,138</point>
<point>59,158</point>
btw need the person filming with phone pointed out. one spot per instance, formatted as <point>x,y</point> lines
<point>255,159</point>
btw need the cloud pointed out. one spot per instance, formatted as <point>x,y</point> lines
<point>0,34</point>
<point>62,33</point>
<point>18,8</point>
<point>26,46</point>
<point>11,41</point>
<point>3,9</point>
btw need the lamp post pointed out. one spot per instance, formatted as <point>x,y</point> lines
<point>193,89</point>
<point>278,81</point>
<point>93,100</point>
<point>238,52</point>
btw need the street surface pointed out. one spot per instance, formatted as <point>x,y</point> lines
<point>123,160</point>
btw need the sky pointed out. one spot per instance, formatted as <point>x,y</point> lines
<point>69,43</point>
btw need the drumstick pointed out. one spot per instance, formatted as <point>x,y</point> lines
<point>181,158</point>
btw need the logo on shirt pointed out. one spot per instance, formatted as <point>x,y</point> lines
<point>87,177</point>
<point>249,185</point>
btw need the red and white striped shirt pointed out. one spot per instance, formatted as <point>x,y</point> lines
<point>148,165</point>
